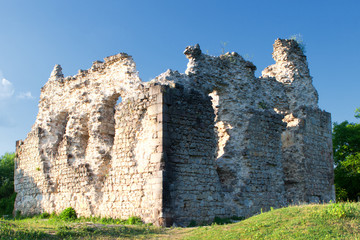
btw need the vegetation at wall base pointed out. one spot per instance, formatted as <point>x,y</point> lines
<point>315,221</point>
<point>52,226</point>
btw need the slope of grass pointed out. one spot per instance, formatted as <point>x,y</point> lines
<point>328,221</point>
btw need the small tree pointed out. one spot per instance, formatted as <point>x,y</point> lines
<point>7,195</point>
<point>346,144</point>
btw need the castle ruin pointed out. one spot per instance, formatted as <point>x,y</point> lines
<point>214,141</point>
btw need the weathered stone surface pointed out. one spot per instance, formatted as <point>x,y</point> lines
<point>214,141</point>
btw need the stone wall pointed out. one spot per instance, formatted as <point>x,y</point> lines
<point>214,141</point>
<point>192,186</point>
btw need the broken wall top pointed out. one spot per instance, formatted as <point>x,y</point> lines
<point>285,85</point>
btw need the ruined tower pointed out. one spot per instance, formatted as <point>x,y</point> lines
<point>213,141</point>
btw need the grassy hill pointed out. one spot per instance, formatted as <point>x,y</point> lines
<point>323,221</point>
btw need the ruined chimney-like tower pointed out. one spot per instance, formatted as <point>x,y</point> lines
<point>214,141</point>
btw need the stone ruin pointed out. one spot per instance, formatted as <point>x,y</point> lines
<point>214,141</point>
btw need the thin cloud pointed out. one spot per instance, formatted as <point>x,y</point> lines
<point>6,89</point>
<point>25,95</point>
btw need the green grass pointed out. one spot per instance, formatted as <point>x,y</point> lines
<point>323,221</point>
<point>328,221</point>
<point>82,228</point>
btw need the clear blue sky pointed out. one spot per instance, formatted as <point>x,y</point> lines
<point>36,35</point>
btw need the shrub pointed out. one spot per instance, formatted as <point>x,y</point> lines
<point>44,215</point>
<point>221,221</point>
<point>69,214</point>
<point>192,223</point>
<point>7,205</point>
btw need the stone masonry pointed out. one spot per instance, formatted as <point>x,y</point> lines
<point>214,141</point>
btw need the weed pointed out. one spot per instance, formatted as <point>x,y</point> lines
<point>263,105</point>
<point>248,57</point>
<point>18,214</point>
<point>44,215</point>
<point>222,221</point>
<point>223,46</point>
<point>340,210</point>
<point>236,218</point>
<point>300,41</point>
<point>134,220</point>
<point>53,215</point>
<point>232,59</point>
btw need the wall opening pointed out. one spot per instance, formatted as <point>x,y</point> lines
<point>118,101</point>
<point>107,128</point>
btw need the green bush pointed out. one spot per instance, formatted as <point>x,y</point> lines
<point>68,214</point>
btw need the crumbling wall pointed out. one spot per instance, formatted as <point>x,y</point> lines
<point>87,152</point>
<point>308,162</point>
<point>213,141</point>
<point>249,157</point>
<point>132,180</point>
<point>306,142</point>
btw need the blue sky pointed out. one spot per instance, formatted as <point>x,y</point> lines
<point>36,35</point>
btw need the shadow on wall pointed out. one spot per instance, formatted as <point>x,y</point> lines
<point>29,198</point>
